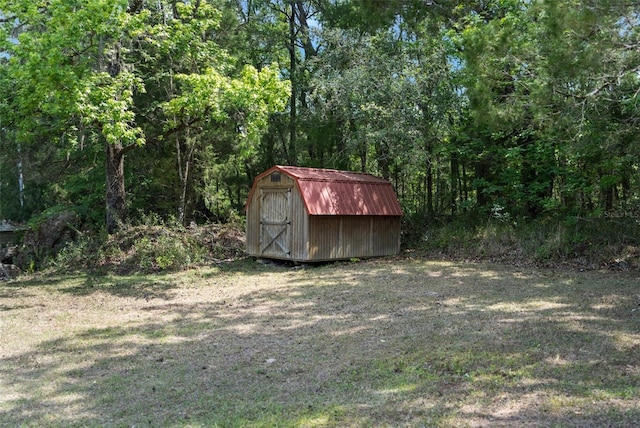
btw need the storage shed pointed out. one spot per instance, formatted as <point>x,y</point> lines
<point>9,232</point>
<point>311,214</point>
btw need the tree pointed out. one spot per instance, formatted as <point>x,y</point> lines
<point>70,69</point>
<point>80,74</point>
<point>545,82</point>
<point>526,107</point>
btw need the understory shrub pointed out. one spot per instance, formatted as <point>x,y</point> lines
<point>151,248</point>
<point>590,242</point>
<point>166,252</point>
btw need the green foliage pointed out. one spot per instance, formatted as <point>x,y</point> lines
<point>214,97</point>
<point>54,59</point>
<point>246,102</point>
<point>391,127</point>
<point>162,253</point>
<point>153,247</point>
<point>529,107</point>
<point>534,74</point>
<point>74,255</point>
<point>95,72</point>
<point>587,243</point>
<point>161,245</point>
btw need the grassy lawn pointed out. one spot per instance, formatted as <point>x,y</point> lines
<point>374,343</point>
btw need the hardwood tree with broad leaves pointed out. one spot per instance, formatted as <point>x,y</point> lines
<point>80,70</point>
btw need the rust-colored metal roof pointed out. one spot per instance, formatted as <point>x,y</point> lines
<point>333,192</point>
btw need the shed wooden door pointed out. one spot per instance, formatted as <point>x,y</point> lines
<point>275,223</point>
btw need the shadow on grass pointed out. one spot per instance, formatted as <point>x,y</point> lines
<point>380,343</point>
<point>137,285</point>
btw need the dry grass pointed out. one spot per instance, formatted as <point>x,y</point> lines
<point>376,343</point>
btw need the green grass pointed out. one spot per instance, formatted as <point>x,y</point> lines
<point>396,342</point>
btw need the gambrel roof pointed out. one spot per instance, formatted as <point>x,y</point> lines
<point>333,192</point>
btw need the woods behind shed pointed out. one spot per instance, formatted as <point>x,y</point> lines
<point>311,214</point>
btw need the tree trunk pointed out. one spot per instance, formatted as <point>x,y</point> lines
<point>455,180</point>
<point>185,161</point>
<point>484,176</point>
<point>115,198</point>
<point>429,180</point>
<point>294,87</point>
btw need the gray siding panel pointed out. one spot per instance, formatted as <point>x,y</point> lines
<point>345,237</point>
<point>298,226</point>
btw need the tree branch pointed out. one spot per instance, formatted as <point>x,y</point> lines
<point>135,6</point>
<point>8,19</point>
<point>180,127</point>
<point>127,149</point>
